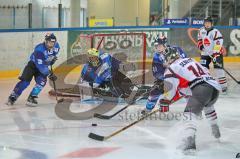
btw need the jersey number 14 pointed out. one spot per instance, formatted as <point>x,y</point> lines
<point>197,70</point>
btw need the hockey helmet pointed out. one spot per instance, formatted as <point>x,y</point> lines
<point>160,40</point>
<point>170,55</point>
<point>93,52</point>
<point>208,19</point>
<point>50,37</point>
<point>93,57</point>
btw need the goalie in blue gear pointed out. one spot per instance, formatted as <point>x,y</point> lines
<point>158,69</point>
<point>44,55</point>
<point>103,75</point>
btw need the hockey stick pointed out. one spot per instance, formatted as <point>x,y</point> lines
<point>238,82</point>
<point>54,87</point>
<point>103,138</point>
<point>102,116</point>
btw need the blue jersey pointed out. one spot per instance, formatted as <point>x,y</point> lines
<point>158,61</point>
<point>158,69</point>
<point>42,57</point>
<point>101,73</point>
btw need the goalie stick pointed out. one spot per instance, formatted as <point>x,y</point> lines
<point>130,102</point>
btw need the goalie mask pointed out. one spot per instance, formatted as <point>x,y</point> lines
<point>93,57</point>
<point>50,40</point>
<point>170,55</point>
<point>160,44</point>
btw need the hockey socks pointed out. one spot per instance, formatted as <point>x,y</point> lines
<point>211,115</point>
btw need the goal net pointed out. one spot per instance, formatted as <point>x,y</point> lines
<point>127,47</point>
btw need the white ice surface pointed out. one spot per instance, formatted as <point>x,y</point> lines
<point>37,133</point>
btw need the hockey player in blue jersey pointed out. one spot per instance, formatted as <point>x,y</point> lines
<point>103,75</point>
<point>44,55</point>
<point>158,69</point>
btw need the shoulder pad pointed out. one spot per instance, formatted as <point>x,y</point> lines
<point>104,55</point>
<point>175,46</point>
<point>57,45</point>
<point>215,29</point>
<point>40,47</point>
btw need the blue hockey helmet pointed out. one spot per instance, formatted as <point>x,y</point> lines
<point>50,37</point>
<point>160,40</point>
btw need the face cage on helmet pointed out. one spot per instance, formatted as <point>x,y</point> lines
<point>93,60</point>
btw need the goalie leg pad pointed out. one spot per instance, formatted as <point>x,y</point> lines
<point>122,84</point>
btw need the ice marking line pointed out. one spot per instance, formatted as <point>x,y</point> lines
<point>90,152</point>
<point>150,133</point>
<point>11,108</point>
<point>73,127</point>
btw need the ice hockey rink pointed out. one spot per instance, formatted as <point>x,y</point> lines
<point>37,132</point>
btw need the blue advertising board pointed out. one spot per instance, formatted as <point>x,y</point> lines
<point>197,22</point>
<point>183,21</point>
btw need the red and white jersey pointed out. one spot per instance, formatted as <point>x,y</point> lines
<point>184,74</point>
<point>210,42</point>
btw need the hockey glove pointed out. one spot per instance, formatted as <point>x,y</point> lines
<point>215,57</point>
<point>164,105</point>
<point>52,77</point>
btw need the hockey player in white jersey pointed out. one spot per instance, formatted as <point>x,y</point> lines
<point>210,42</point>
<point>194,82</point>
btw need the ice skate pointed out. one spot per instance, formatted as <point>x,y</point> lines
<point>224,91</point>
<point>189,146</point>
<point>215,131</point>
<point>31,101</point>
<point>11,99</point>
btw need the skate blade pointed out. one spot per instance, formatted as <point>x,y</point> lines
<point>9,103</point>
<point>190,152</point>
<point>31,104</point>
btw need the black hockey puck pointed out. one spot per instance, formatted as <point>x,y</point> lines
<point>93,124</point>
